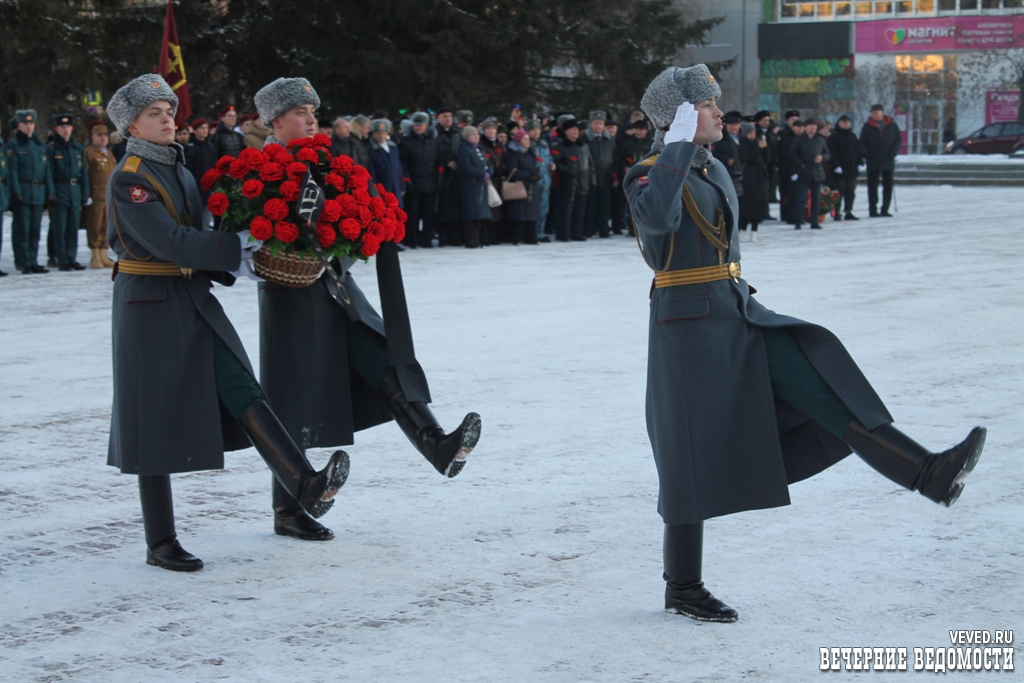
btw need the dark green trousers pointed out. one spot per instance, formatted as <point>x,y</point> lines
<point>796,382</point>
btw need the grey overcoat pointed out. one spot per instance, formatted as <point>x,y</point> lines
<point>721,442</point>
<point>166,414</point>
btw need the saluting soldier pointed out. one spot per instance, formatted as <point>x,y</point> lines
<point>184,391</point>
<point>715,354</point>
<point>327,367</point>
<point>99,162</point>
<point>71,185</point>
<point>31,190</point>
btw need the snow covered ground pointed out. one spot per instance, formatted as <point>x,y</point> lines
<point>542,560</point>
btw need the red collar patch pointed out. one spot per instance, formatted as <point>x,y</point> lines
<point>138,194</point>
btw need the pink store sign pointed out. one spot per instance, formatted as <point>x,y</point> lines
<point>1001,105</point>
<point>941,34</point>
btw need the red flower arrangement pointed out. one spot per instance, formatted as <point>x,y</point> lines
<point>259,190</point>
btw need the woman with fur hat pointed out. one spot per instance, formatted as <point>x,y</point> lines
<point>184,391</point>
<point>716,355</point>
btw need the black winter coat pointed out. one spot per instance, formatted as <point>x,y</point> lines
<point>226,141</point>
<point>880,143</point>
<point>473,167</point>
<point>523,167</point>
<point>756,174</point>
<point>447,207</point>
<point>574,177</point>
<point>844,148</point>
<point>200,157</point>
<point>352,147</point>
<point>802,153</point>
<point>786,138</point>
<point>421,157</point>
<point>602,153</point>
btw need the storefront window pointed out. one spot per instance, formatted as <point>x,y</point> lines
<point>882,8</point>
<point>842,9</point>
<point>991,4</point>
<point>807,9</point>
<point>947,5</point>
<point>968,4</point>
<point>925,6</point>
<point>926,88</point>
<point>825,9</point>
<point>905,7</point>
<point>863,9</point>
<point>1012,4</point>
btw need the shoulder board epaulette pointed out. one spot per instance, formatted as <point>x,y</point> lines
<point>649,161</point>
<point>131,164</point>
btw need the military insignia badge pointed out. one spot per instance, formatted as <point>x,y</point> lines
<point>137,194</point>
<point>154,84</point>
<point>711,78</point>
<point>642,180</point>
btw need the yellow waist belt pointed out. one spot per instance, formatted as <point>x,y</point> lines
<point>146,268</point>
<point>696,276</point>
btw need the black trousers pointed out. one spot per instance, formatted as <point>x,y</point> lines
<point>847,186</point>
<point>801,188</point>
<point>598,212</point>
<point>873,174</point>
<point>419,206</point>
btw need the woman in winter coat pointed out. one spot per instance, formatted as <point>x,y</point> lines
<point>523,167</point>
<point>716,356</point>
<point>755,156</point>
<point>475,173</point>
<point>385,160</point>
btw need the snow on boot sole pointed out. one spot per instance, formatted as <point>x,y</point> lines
<point>470,428</point>
<point>957,487</point>
<point>336,474</point>
<point>717,620</point>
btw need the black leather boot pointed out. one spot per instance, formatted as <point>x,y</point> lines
<point>684,591</point>
<point>291,520</point>
<point>162,547</point>
<point>313,490</point>
<point>938,476</point>
<point>446,452</point>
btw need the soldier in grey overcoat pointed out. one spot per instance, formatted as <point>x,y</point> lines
<point>715,353</point>
<point>325,362</point>
<point>184,391</point>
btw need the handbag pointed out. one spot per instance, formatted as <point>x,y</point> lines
<point>493,199</point>
<point>513,190</point>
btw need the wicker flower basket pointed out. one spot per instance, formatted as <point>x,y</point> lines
<point>287,269</point>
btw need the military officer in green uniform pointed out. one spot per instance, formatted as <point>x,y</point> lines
<point>31,189</point>
<point>71,185</point>
<point>184,390</point>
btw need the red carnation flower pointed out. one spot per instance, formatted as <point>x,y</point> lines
<point>390,215</point>
<point>401,216</point>
<point>371,245</point>
<point>252,158</point>
<point>440,169</point>
<point>332,211</point>
<point>290,191</point>
<point>350,229</point>
<point>272,150</point>
<point>573,159</point>
<point>357,182</point>
<point>218,203</point>
<point>335,180</point>
<point>261,228</point>
<point>365,215</point>
<point>378,207</point>
<point>321,140</point>
<point>275,209</point>
<point>325,234</point>
<point>296,171</point>
<point>390,199</point>
<point>361,196</point>
<point>538,159</point>
<point>555,152</point>
<point>285,231</point>
<point>349,205</point>
<point>224,163</point>
<point>299,143</point>
<point>238,169</point>
<point>342,163</point>
<point>399,232</point>
<point>360,172</point>
<point>252,188</point>
<point>272,172</point>
<point>306,154</point>
<point>209,178</point>
<point>375,229</point>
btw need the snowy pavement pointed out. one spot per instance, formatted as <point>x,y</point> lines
<point>542,560</point>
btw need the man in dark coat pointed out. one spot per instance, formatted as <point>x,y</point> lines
<point>324,360</point>
<point>844,149</point>
<point>634,148</point>
<point>806,158</point>
<point>575,170</point>
<point>446,213</point>
<point>880,142</point>
<point>763,121</point>
<point>755,157</point>
<point>71,189</point>
<point>602,154</point>
<point>727,149</point>
<point>344,143</point>
<point>225,140</point>
<point>421,157</point>
<point>794,127</point>
<point>200,157</point>
<point>715,353</point>
<point>31,190</point>
<point>184,391</point>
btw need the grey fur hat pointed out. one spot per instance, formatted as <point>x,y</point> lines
<point>380,126</point>
<point>128,102</point>
<point>279,96</point>
<point>464,116</point>
<point>562,118</point>
<point>598,115</point>
<point>25,116</point>
<point>421,118</point>
<point>746,129</point>
<point>405,125</point>
<point>531,124</point>
<point>676,85</point>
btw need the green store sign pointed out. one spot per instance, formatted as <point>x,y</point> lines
<point>805,68</point>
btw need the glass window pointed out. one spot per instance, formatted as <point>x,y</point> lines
<point>968,4</point>
<point>1013,129</point>
<point>925,6</point>
<point>863,9</point>
<point>788,11</point>
<point>842,9</point>
<point>1012,4</point>
<point>882,8</point>
<point>825,9</point>
<point>947,5</point>
<point>991,4</point>
<point>807,9</point>
<point>905,7</point>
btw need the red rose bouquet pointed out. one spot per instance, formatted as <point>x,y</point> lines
<point>259,191</point>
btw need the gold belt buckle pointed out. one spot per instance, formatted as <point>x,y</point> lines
<point>187,272</point>
<point>734,271</point>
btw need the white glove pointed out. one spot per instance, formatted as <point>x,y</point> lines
<point>88,201</point>
<point>684,125</point>
<point>249,245</point>
<point>794,177</point>
<point>839,170</point>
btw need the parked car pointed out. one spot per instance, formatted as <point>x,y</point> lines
<point>995,138</point>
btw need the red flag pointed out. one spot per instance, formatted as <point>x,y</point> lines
<point>172,68</point>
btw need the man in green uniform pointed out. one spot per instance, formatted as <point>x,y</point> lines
<point>31,189</point>
<point>71,184</point>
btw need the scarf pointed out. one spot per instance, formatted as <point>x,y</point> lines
<point>168,156</point>
<point>701,159</point>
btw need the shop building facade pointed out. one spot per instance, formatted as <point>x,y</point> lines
<point>935,65</point>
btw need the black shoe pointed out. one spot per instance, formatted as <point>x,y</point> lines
<point>75,265</point>
<point>885,214</point>
<point>3,274</point>
<point>579,239</point>
<point>64,269</point>
<point>851,217</point>
<point>38,269</point>
<point>815,226</point>
<point>446,452</point>
<point>170,555</point>
<point>937,476</point>
<point>873,214</point>
<point>561,239</point>
<point>697,602</point>
<point>545,239</point>
<point>298,524</point>
<point>25,271</point>
<point>604,235</point>
<point>797,227</point>
<point>50,263</point>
